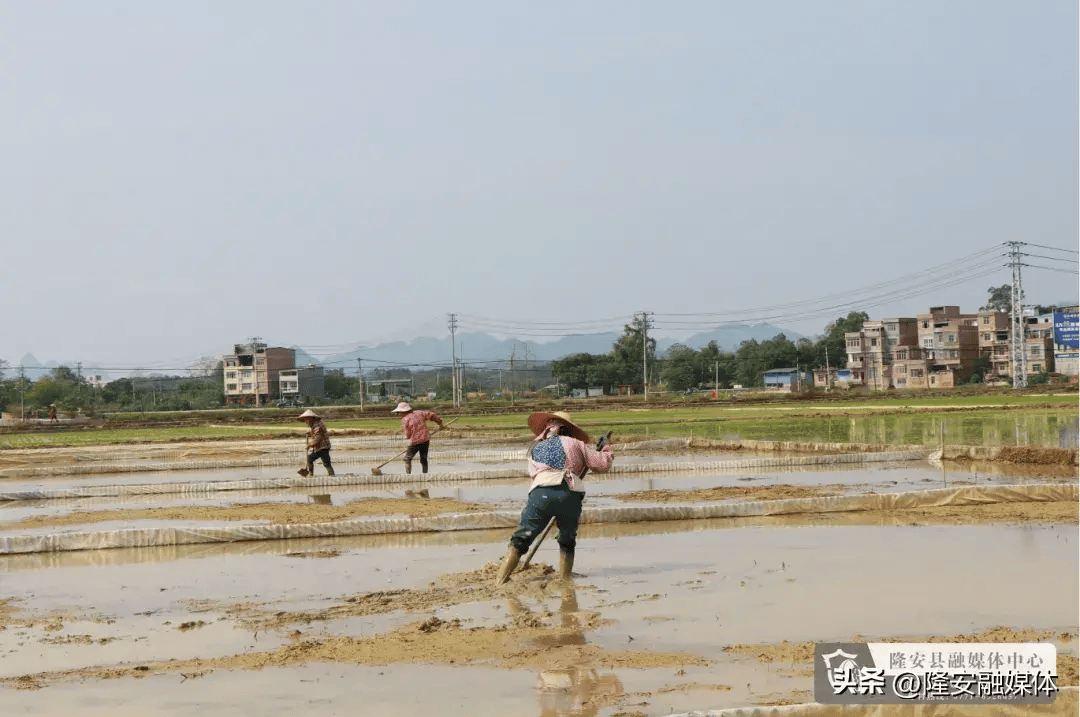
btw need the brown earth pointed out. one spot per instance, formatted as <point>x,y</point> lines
<point>537,581</point>
<point>1037,454</point>
<point>527,642</point>
<point>272,512</point>
<point>769,492</point>
<point>1057,512</point>
<point>7,612</point>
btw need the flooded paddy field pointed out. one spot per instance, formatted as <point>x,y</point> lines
<point>661,618</point>
<point>292,505</point>
<point>664,615</point>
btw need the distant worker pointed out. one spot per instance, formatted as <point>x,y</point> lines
<point>318,443</point>
<point>52,414</point>
<point>559,451</point>
<point>414,423</point>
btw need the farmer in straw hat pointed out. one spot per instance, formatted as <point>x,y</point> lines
<point>318,443</point>
<point>414,423</point>
<point>559,452</point>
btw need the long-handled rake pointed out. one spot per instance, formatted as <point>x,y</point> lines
<point>376,472</point>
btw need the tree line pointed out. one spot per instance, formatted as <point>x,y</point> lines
<point>71,393</point>
<point>684,368</point>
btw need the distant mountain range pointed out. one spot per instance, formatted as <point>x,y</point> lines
<point>472,348</point>
<point>483,347</point>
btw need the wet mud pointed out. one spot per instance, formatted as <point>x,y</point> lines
<point>659,618</point>
<point>277,513</point>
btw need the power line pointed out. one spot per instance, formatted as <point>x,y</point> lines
<point>1051,268</point>
<point>1053,258</point>
<point>1041,246</point>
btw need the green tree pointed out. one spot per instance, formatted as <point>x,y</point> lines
<point>339,386</point>
<point>682,369</point>
<point>999,298</point>
<point>833,341</point>
<point>48,390</point>
<point>628,351</point>
<point>64,373</point>
<point>981,367</point>
<point>574,371</point>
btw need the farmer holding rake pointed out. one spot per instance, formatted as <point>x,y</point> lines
<point>558,455</point>
<point>318,443</point>
<point>414,423</point>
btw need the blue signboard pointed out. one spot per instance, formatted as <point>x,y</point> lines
<point>1066,330</point>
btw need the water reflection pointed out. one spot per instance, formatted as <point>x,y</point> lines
<point>1055,428</point>
<point>577,691</point>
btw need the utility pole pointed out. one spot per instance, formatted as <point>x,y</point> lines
<point>513,353</point>
<point>452,325</point>
<point>22,392</point>
<point>1016,320</point>
<point>826,367</point>
<point>255,364</point>
<point>716,378</point>
<point>645,352</point>
<point>360,374</point>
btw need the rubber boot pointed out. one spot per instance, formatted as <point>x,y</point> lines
<point>511,562</point>
<point>408,467</point>
<point>566,563</point>
<point>329,471</point>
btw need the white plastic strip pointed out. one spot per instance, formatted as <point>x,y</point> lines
<point>145,537</point>
<point>319,481</point>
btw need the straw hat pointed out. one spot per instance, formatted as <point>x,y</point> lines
<point>308,414</point>
<point>402,408</point>
<point>538,421</point>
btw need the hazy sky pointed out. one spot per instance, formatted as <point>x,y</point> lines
<point>180,176</point>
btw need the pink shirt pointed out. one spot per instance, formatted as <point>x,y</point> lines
<point>577,455</point>
<point>415,426</point>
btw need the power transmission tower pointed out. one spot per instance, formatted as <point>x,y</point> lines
<point>1016,320</point>
<point>452,325</point>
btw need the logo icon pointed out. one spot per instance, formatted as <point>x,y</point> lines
<point>845,674</point>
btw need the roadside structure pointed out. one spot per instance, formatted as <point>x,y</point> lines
<point>940,348</point>
<point>253,372</point>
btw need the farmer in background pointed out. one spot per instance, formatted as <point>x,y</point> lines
<point>52,414</point>
<point>414,423</point>
<point>558,453</point>
<point>318,443</point>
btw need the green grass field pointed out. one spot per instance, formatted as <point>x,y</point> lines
<point>970,420</point>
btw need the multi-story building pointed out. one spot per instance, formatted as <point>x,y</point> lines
<point>939,349</point>
<point>911,368</point>
<point>994,342</point>
<point>872,349</point>
<point>302,384</point>
<point>251,373</point>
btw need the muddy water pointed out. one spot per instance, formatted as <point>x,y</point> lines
<point>1053,427</point>
<point>690,588</point>
<point>507,493</point>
